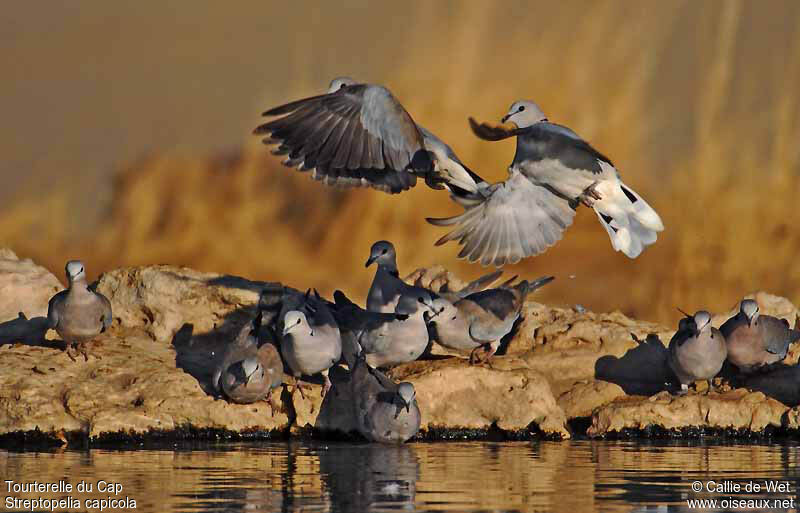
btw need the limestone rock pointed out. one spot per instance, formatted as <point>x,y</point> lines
<point>24,287</point>
<point>735,409</point>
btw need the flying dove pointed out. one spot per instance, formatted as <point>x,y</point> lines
<point>553,171</point>
<point>310,339</point>
<point>78,314</point>
<point>385,412</point>
<point>756,341</point>
<point>246,372</point>
<point>387,288</point>
<point>697,350</point>
<point>480,320</point>
<point>358,135</point>
<point>386,339</point>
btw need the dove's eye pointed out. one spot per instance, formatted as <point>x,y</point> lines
<point>521,108</point>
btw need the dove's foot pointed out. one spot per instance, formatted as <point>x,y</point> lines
<point>326,385</point>
<point>271,404</point>
<point>476,358</point>
<point>298,387</point>
<point>590,195</point>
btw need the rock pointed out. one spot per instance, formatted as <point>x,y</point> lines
<point>734,409</point>
<point>455,395</point>
<point>24,287</point>
<point>151,370</point>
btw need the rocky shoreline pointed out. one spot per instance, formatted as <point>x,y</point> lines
<point>562,373</point>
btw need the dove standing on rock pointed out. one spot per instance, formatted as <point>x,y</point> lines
<point>385,411</point>
<point>78,314</point>
<point>553,171</point>
<point>246,372</point>
<point>756,341</point>
<point>387,288</point>
<point>310,339</point>
<point>386,339</point>
<point>480,320</point>
<point>697,350</point>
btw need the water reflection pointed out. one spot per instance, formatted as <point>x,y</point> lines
<point>475,476</point>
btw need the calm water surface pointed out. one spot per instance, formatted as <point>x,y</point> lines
<point>475,476</point>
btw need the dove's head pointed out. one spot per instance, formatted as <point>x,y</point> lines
<point>383,253</point>
<point>441,310</point>
<point>75,271</point>
<point>413,300</point>
<point>702,321</point>
<point>295,322</point>
<point>524,113</point>
<point>340,82</point>
<point>252,368</point>
<point>406,395</point>
<point>750,309</point>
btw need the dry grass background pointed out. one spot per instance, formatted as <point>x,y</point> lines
<point>696,103</point>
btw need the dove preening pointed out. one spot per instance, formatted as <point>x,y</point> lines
<point>756,341</point>
<point>480,320</point>
<point>78,314</point>
<point>247,373</point>
<point>553,171</point>
<point>697,350</point>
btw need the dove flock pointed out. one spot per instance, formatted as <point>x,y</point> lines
<point>358,135</point>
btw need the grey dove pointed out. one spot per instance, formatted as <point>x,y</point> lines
<point>310,339</point>
<point>387,288</point>
<point>553,171</point>
<point>78,314</point>
<point>386,339</point>
<point>385,411</point>
<point>756,341</point>
<point>480,320</point>
<point>697,350</point>
<point>359,135</point>
<point>247,372</point>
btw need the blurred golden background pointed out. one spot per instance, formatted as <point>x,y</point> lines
<point>127,139</point>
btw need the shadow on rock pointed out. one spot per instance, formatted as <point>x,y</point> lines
<point>643,370</point>
<point>26,331</point>
<point>782,383</point>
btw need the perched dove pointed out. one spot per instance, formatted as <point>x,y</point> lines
<point>755,341</point>
<point>311,342</point>
<point>385,412</point>
<point>387,288</point>
<point>480,320</point>
<point>360,135</point>
<point>386,339</point>
<point>553,171</point>
<point>78,314</point>
<point>697,350</point>
<point>246,372</point>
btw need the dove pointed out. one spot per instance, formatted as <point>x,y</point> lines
<point>553,172</point>
<point>480,320</point>
<point>387,339</point>
<point>358,134</point>
<point>697,350</point>
<point>385,411</point>
<point>387,288</point>
<point>310,343</point>
<point>78,314</point>
<point>756,341</point>
<point>246,372</point>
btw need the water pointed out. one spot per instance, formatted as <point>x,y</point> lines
<point>475,476</point>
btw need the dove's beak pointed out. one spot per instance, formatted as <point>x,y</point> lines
<point>369,261</point>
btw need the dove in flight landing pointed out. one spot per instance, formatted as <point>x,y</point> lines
<point>358,135</point>
<point>553,172</point>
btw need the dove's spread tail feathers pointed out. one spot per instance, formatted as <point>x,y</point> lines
<point>631,223</point>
